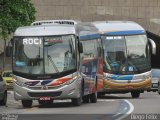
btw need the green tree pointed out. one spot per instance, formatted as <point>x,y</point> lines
<point>14,13</point>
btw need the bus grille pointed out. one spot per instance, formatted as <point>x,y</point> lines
<point>44,94</point>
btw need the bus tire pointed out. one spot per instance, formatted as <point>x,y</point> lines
<point>93,97</point>
<point>27,103</point>
<point>76,101</point>
<point>4,100</point>
<point>159,90</point>
<point>86,99</point>
<point>135,94</point>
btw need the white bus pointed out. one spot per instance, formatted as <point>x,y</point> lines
<point>127,51</point>
<point>46,63</point>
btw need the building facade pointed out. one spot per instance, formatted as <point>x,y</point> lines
<point>145,12</point>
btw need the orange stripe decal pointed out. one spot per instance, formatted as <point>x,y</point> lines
<point>60,81</point>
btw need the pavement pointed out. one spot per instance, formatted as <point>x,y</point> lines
<point>108,107</point>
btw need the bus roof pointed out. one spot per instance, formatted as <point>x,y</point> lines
<point>119,27</point>
<point>45,30</point>
<point>87,31</point>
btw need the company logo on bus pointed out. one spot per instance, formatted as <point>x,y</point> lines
<point>44,88</point>
<point>32,41</point>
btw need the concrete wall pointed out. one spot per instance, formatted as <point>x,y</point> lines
<point>145,12</point>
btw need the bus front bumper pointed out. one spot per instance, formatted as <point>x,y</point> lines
<point>62,92</point>
<point>111,86</point>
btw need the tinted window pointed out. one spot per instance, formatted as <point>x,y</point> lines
<point>44,55</point>
<point>126,54</point>
<point>59,54</point>
<point>114,53</point>
<point>137,52</point>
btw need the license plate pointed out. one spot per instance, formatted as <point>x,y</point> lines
<point>44,98</point>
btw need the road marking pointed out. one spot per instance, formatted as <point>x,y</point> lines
<point>32,109</point>
<point>131,108</point>
<point>103,100</point>
<point>59,101</point>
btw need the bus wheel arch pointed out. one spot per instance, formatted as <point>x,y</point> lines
<point>78,101</point>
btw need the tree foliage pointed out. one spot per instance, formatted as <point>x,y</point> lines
<point>15,13</point>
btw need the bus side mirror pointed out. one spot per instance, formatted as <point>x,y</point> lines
<point>80,47</point>
<point>153,45</point>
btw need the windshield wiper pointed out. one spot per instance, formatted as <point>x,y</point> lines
<point>53,64</point>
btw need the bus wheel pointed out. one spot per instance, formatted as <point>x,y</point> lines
<point>86,99</point>
<point>76,101</point>
<point>4,100</point>
<point>27,103</point>
<point>135,94</point>
<point>93,97</point>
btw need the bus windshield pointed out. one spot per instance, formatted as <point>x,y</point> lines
<point>126,54</point>
<point>44,55</point>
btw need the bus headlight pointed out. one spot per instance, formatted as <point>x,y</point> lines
<point>70,81</point>
<point>62,82</point>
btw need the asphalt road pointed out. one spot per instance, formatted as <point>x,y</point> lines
<point>108,107</point>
